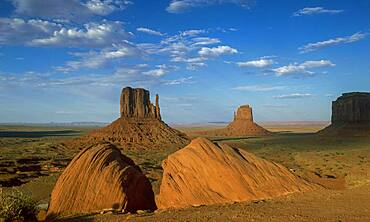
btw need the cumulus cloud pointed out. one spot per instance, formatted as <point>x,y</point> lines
<point>216,51</point>
<point>149,31</point>
<point>294,96</point>
<point>91,35</point>
<point>74,10</point>
<point>331,42</point>
<point>260,63</point>
<point>302,68</point>
<point>316,10</point>
<point>178,6</point>
<point>259,88</point>
<point>36,32</point>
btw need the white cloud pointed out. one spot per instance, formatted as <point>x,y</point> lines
<point>123,76</point>
<point>178,6</point>
<point>36,32</point>
<point>184,47</point>
<point>16,30</point>
<point>93,35</point>
<point>259,88</point>
<point>96,59</point>
<point>302,68</point>
<point>149,31</point>
<point>316,10</point>
<point>184,80</point>
<point>331,42</point>
<point>161,70</point>
<point>216,51</point>
<point>261,63</point>
<point>294,96</point>
<point>75,10</point>
<point>205,41</point>
<point>105,7</point>
<point>193,32</point>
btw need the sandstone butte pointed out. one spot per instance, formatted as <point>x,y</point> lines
<point>100,178</point>
<point>350,115</point>
<point>205,173</point>
<point>242,125</point>
<point>139,127</point>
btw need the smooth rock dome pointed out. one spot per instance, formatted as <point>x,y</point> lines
<point>205,173</point>
<point>99,178</point>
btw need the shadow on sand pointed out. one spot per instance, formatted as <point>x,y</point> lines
<point>37,134</point>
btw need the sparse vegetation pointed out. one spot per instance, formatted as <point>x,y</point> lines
<point>17,206</point>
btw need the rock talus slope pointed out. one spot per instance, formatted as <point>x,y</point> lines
<point>205,173</point>
<point>98,178</point>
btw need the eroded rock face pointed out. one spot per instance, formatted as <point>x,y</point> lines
<point>101,178</point>
<point>351,108</point>
<point>135,103</point>
<point>205,173</point>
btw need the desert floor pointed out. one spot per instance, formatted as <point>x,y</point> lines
<point>32,157</point>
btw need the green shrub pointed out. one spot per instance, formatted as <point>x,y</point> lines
<point>17,206</point>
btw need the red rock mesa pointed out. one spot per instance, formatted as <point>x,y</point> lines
<point>139,126</point>
<point>350,115</point>
<point>101,178</point>
<point>205,173</point>
<point>242,125</point>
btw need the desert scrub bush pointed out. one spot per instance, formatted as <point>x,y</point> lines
<point>17,206</point>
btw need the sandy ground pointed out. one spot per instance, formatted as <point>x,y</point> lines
<point>322,205</point>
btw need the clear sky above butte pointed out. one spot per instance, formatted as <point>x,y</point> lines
<point>68,60</point>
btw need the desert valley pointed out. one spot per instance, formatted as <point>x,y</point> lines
<point>184,110</point>
<point>140,169</point>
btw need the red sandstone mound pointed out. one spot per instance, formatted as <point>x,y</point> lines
<point>101,178</point>
<point>205,173</point>
<point>350,115</point>
<point>242,125</point>
<point>139,127</point>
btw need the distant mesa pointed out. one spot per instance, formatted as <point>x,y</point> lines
<point>350,115</point>
<point>140,126</point>
<point>242,125</point>
<point>101,178</point>
<point>205,173</point>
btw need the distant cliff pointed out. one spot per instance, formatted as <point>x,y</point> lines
<point>351,107</point>
<point>350,115</point>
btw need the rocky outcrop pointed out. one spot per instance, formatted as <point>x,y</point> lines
<point>205,173</point>
<point>101,178</point>
<point>350,115</point>
<point>139,127</point>
<point>135,103</point>
<point>241,126</point>
<point>244,113</point>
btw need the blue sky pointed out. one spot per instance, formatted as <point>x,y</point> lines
<point>68,60</point>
